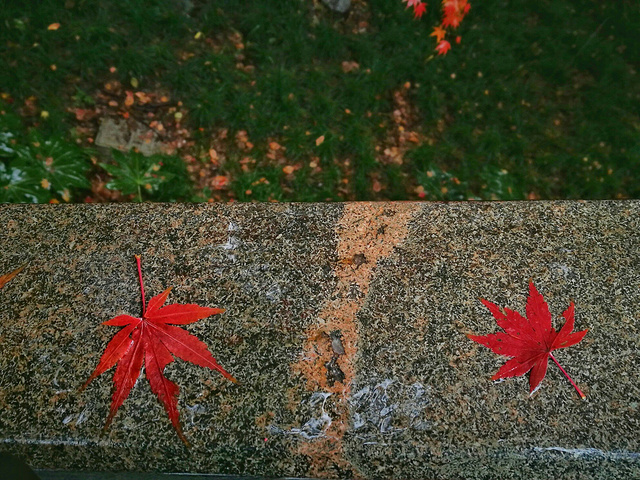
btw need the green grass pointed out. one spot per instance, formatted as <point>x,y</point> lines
<point>540,100</point>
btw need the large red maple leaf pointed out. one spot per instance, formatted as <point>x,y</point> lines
<point>530,340</point>
<point>152,340</point>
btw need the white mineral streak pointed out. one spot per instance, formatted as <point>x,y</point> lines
<point>315,427</point>
<point>591,452</point>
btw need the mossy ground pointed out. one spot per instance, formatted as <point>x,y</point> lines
<point>539,100</point>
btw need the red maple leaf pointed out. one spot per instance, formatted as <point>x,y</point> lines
<point>454,12</point>
<point>419,10</point>
<point>443,47</point>
<point>530,340</point>
<point>152,340</point>
<point>451,19</point>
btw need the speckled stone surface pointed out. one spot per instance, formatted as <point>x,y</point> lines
<point>345,324</point>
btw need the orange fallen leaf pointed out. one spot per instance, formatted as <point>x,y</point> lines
<point>319,140</point>
<point>53,26</point>
<point>219,182</point>
<point>129,100</point>
<point>143,97</point>
<point>9,276</point>
<point>413,137</point>
<point>349,66</point>
<point>439,33</point>
<point>289,169</point>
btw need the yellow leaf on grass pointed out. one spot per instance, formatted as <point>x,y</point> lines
<point>319,140</point>
<point>53,26</point>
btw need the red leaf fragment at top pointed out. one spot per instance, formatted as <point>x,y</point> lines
<point>419,10</point>
<point>4,279</point>
<point>152,340</point>
<point>530,340</point>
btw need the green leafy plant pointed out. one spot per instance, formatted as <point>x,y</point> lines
<point>41,171</point>
<point>6,142</point>
<point>499,184</point>
<point>157,177</point>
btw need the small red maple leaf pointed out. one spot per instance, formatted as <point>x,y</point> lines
<point>419,10</point>
<point>443,47</point>
<point>530,340</point>
<point>153,341</point>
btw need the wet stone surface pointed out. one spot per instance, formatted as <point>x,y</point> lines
<point>346,326</point>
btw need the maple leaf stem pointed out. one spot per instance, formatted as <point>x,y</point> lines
<point>582,395</point>
<point>142,284</point>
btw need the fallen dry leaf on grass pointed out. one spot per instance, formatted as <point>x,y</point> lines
<point>349,66</point>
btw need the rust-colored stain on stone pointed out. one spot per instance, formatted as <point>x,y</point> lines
<point>366,233</point>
